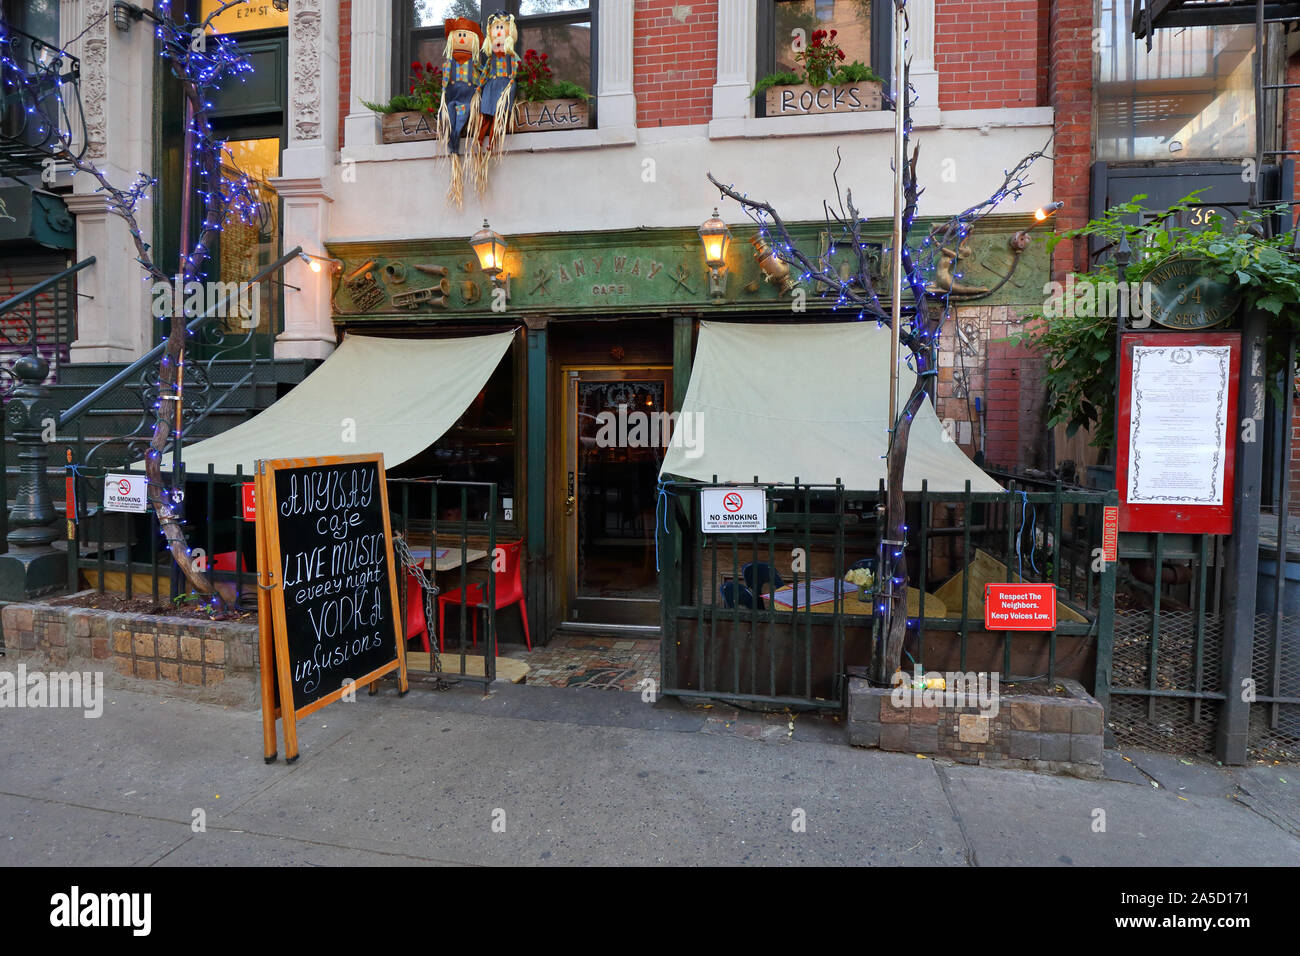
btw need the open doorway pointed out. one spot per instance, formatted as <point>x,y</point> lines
<point>616,428</point>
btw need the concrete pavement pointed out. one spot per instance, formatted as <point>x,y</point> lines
<point>534,775</point>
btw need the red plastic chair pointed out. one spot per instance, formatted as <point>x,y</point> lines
<point>510,590</point>
<point>416,625</point>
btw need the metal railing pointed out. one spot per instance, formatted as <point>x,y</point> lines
<point>48,326</point>
<point>203,396</point>
<point>447,525</point>
<point>126,554</point>
<point>799,656</point>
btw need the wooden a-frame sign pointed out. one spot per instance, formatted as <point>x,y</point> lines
<point>323,536</point>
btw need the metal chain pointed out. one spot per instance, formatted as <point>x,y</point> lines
<point>430,594</point>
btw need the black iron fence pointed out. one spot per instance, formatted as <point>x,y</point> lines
<point>443,541</point>
<point>741,614</point>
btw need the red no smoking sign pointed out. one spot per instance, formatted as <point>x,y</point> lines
<point>732,502</point>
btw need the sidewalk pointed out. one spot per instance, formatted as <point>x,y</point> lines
<point>585,777</point>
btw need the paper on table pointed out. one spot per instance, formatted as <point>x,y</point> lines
<point>822,592</point>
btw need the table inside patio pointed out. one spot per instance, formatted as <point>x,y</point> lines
<point>822,599</point>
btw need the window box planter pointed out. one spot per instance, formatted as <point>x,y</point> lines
<point>545,115</point>
<point>804,99</point>
<point>542,116</point>
<point>409,127</point>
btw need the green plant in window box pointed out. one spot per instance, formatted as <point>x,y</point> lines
<point>411,116</point>
<point>1079,345</point>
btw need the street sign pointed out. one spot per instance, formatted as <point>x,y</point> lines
<point>1185,297</point>
<point>126,493</point>
<point>733,510</point>
<point>1020,607</point>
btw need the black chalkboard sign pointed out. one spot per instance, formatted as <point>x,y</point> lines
<point>328,609</point>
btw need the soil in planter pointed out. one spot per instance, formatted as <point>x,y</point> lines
<point>145,605</point>
<point>1031,688</point>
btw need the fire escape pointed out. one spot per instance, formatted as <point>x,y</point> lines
<point>42,127</point>
<point>1276,23</point>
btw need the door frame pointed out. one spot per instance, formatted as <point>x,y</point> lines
<point>567,550</point>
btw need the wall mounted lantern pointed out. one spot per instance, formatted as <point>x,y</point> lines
<point>716,238</point>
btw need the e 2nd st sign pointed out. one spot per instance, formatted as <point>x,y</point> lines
<point>733,510</point>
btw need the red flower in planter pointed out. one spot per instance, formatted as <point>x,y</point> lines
<point>820,57</point>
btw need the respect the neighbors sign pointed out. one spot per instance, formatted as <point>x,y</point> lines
<point>733,510</point>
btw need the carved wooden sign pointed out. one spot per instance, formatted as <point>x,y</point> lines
<point>409,127</point>
<point>805,99</point>
<point>548,115</point>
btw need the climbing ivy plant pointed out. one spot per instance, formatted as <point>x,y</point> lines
<point>1079,344</point>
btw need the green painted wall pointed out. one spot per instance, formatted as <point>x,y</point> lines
<point>625,272</point>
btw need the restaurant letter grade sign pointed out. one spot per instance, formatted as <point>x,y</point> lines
<point>733,510</point>
<point>1178,399</point>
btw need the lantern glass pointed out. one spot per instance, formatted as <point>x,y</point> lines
<point>716,238</point>
<point>490,249</point>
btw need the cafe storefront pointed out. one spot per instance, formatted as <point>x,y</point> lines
<point>574,422</point>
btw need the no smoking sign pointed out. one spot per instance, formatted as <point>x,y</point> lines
<point>733,510</point>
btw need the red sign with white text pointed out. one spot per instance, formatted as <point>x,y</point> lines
<point>1110,533</point>
<point>1020,607</point>
<point>248,493</point>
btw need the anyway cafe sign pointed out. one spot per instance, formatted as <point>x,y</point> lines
<point>1183,296</point>
<point>733,510</point>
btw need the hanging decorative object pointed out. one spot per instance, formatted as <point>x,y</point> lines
<point>496,98</point>
<point>458,116</point>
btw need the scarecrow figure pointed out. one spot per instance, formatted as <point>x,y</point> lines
<point>496,92</point>
<point>458,112</point>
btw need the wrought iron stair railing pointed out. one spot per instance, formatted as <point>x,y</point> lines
<point>203,395</point>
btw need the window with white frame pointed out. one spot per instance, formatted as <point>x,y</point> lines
<point>787,28</point>
<point>564,30</point>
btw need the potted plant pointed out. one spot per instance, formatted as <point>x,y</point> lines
<point>412,116</point>
<point>544,103</point>
<point>827,85</point>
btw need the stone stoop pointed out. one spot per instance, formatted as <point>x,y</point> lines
<point>1060,735</point>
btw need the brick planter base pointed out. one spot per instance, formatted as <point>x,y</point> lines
<point>206,658</point>
<point>1046,734</point>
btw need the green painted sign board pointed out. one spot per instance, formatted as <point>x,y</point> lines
<point>626,272</point>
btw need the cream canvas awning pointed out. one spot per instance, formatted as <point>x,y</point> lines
<point>806,401</point>
<point>395,396</point>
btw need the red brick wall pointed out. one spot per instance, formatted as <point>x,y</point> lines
<point>986,53</point>
<point>1070,92</point>
<point>345,62</point>
<point>1014,416</point>
<point>674,64</point>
